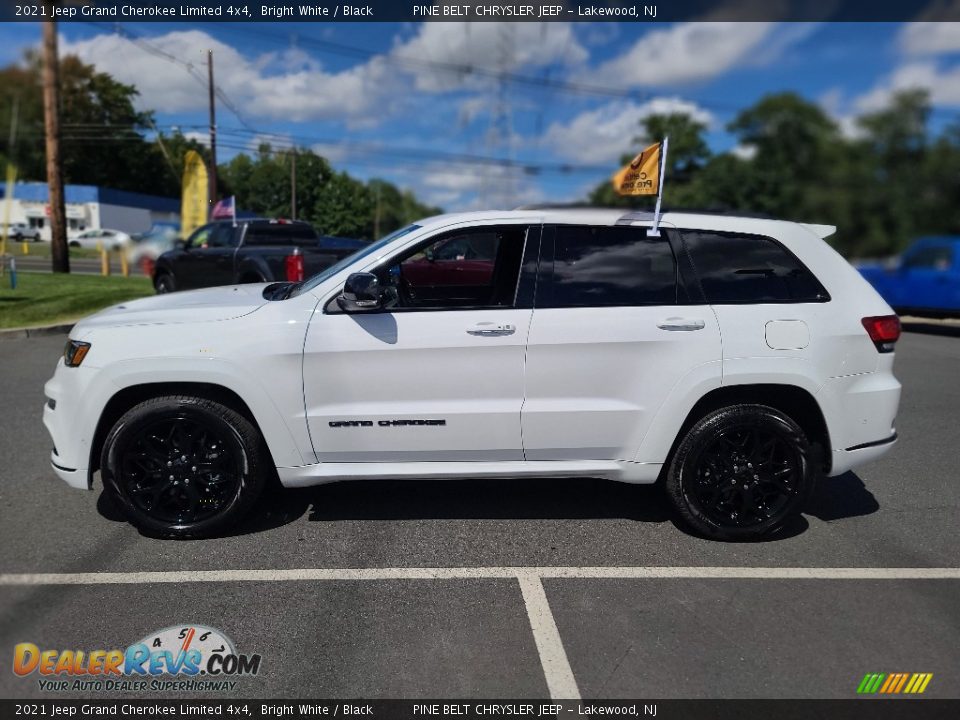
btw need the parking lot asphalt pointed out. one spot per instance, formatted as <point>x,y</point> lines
<point>672,632</point>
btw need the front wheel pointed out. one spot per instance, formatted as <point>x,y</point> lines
<point>164,284</point>
<point>741,472</point>
<point>184,467</point>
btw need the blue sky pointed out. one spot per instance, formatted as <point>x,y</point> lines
<point>417,103</point>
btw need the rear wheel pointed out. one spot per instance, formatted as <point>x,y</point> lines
<point>741,472</point>
<point>184,467</point>
<point>164,283</point>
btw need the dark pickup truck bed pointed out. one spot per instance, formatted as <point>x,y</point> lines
<point>249,251</point>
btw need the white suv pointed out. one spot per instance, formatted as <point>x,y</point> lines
<point>733,359</point>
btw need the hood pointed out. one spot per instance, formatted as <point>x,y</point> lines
<point>211,304</point>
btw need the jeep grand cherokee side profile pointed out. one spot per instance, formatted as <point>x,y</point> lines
<point>732,359</point>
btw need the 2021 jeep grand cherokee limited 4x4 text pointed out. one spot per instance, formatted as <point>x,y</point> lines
<point>733,359</point>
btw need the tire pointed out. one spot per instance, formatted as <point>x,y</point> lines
<point>184,467</point>
<point>164,283</point>
<point>741,472</point>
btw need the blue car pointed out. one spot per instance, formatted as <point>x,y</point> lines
<point>925,281</point>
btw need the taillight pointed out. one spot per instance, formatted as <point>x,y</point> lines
<point>884,330</point>
<point>294,266</point>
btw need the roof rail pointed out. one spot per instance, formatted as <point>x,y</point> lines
<point>560,206</point>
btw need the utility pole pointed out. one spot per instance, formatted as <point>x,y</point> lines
<point>213,134</point>
<point>293,184</point>
<point>51,114</point>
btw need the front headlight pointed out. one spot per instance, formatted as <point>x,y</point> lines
<point>75,352</point>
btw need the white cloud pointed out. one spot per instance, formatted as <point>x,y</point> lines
<point>602,135</point>
<point>929,38</point>
<point>479,44</point>
<point>683,53</point>
<point>298,90</point>
<point>744,152</point>
<point>942,83</point>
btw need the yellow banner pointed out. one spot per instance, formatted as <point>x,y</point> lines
<point>7,202</point>
<point>642,175</point>
<point>196,187</point>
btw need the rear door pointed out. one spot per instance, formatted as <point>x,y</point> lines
<point>612,334</point>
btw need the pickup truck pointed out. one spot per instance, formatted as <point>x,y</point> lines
<point>248,251</point>
<point>924,280</point>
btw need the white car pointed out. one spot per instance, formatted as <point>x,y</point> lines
<point>18,232</point>
<point>735,359</point>
<point>104,237</point>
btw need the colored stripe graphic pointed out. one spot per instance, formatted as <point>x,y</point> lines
<point>894,683</point>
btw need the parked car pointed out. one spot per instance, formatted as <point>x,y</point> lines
<point>146,248</point>
<point>733,359</point>
<point>18,232</point>
<point>103,237</point>
<point>924,280</point>
<point>248,251</point>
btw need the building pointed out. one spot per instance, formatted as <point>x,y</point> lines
<point>89,208</point>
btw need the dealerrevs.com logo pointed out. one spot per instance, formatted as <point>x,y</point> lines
<point>178,658</point>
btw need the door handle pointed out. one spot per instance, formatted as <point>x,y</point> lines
<point>681,324</point>
<point>489,329</point>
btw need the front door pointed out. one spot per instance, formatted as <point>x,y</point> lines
<point>438,374</point>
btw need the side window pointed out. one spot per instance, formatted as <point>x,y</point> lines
<point>471,268</point>
<point>200,237</point>
<point>285,235</point>
<point>750,269</point>
<point>610,266</point>
<point>931,257</point>
<point>223,235</point>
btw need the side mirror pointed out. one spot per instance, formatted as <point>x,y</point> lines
<point>179,244</point>
<point>428,254</point>
<point>361,293</point>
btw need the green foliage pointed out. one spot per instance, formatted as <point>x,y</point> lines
<point>883,187</point>
<point>104,142</point>
<point>335,202</point>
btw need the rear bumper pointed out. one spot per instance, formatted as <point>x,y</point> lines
<point>844,460</point>
<point>861,414</point>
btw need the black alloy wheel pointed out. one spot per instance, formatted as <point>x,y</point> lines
<point>180,471</point>
<point>741,472</point>
<point>183,466</point>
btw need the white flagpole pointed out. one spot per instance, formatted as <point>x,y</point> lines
<point>233,206</point>
<point>655,230</point>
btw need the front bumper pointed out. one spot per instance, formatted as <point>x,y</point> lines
<point>70,423</point>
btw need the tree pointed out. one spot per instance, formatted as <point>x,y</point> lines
<point>96,112</point>
<point>334,202</point>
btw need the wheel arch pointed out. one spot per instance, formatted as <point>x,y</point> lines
<point>794,401</point>
<point>128,397</point>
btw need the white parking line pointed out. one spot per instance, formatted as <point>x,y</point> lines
<point>472,573</point>
<point>553,658</point>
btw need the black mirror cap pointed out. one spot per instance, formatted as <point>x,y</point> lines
<point>361,293</point>
<point>179,244</point>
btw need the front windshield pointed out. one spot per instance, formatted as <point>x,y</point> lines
<point>370,249</point>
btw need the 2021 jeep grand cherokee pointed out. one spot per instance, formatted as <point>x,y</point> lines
<point>734,359</point>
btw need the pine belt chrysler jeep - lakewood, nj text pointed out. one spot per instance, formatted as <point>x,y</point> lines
<point>732,359</point>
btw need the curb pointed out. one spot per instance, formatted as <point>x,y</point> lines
<point>29,332</point>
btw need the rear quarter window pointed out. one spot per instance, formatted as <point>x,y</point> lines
<point>745,269</point>
<point>280,235</point>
